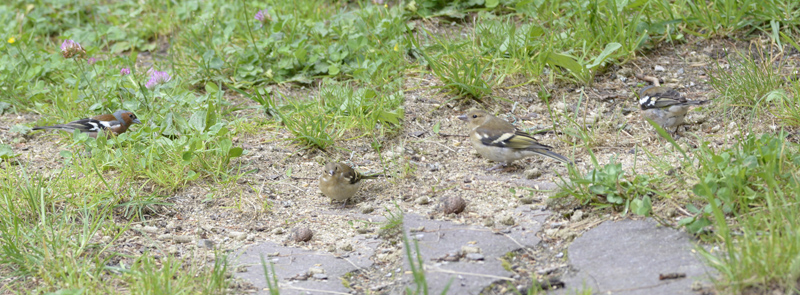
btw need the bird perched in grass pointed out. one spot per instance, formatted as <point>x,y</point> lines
<point>665,106</point>
<point>499,141</point>
<point>109,124</point>
<point>340,182</point>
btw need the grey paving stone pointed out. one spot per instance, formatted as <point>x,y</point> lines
<point>468,276</point>
<point>627,257</point>
<point>292,261</point>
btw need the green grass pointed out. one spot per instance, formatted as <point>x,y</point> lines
<point>752,194</point>
<point>355,57</point>
<point>748,81</point>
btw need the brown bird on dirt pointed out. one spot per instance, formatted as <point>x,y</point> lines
<point>340,182</point>
<point>665,106</point>
<point>499,141</point>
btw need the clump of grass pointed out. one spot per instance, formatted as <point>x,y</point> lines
<point>467,75</point>
<point>394,223</point>
<point>361,109</point>
<point>608,186</point>
<point>170,275</point>
<point>38,238</point>
<point>788,104</point>
<point>751,191</point>
<point>747,82</point>
<point>340,108</point>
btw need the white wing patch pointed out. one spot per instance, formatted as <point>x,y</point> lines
<point>109,124</point>
<point>645,101</point>
<point>502,138</point>
<point>95,125</point>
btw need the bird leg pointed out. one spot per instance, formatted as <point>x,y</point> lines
<point>510,168</point>
<point>497,167</point>
<point>675,134</point>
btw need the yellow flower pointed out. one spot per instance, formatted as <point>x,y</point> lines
<point>12,40</point>
<point>386,5</point>
<point>396,47</point>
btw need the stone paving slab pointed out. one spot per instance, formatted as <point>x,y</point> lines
<point>627,257</point>
<point>439,238</point>
<point>292,261</point>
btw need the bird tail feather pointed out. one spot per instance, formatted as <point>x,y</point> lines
<point>372,176</point>
<point>56,127</point>
<point>554,156</point>
<point>698,102</point>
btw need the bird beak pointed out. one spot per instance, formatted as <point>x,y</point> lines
<point>331,171</point>
<point>136,121</point>
<point>462,117</point>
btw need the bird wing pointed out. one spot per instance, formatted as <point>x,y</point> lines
<point>661,97</point>
<point>349,174</point>
<point>516,140</point>
<point>83,125</point>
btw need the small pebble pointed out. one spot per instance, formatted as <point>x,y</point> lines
<point>658,68</point>
<point>475,256</point>
<point>700,119</point>
<point>150,229</point>
<point>625,72</point>
<point>454,204</point>
<point>452,257</point>
<point>347,247</point>
<point>507,220</point>
<point>182,239</point>
<point>236,235</point>
<point>172,226</point>
<point>424,200</point>
<point>526,200</point>
<point>302,234</point>
<point>316,270</point>
<point>576,216</point>
<point>366,209</point>
<point>320,276</point>
<point>533,173</point>
<point>205,243</point>
<point>277,231</point>
<point>470,249</point>
<point>207,227</point>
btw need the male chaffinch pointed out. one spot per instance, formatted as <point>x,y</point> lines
<point>665,106</point>
<point>109,124</point>
<point>340,182</point>
<point>499,141</point>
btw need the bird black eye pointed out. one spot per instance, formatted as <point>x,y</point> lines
<point>474,116</point>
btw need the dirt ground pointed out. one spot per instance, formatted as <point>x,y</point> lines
<point>267,204</point>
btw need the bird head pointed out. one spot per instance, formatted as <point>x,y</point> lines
<point>127,117</point>
<point>331,168</point>
<point>475,118</point>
